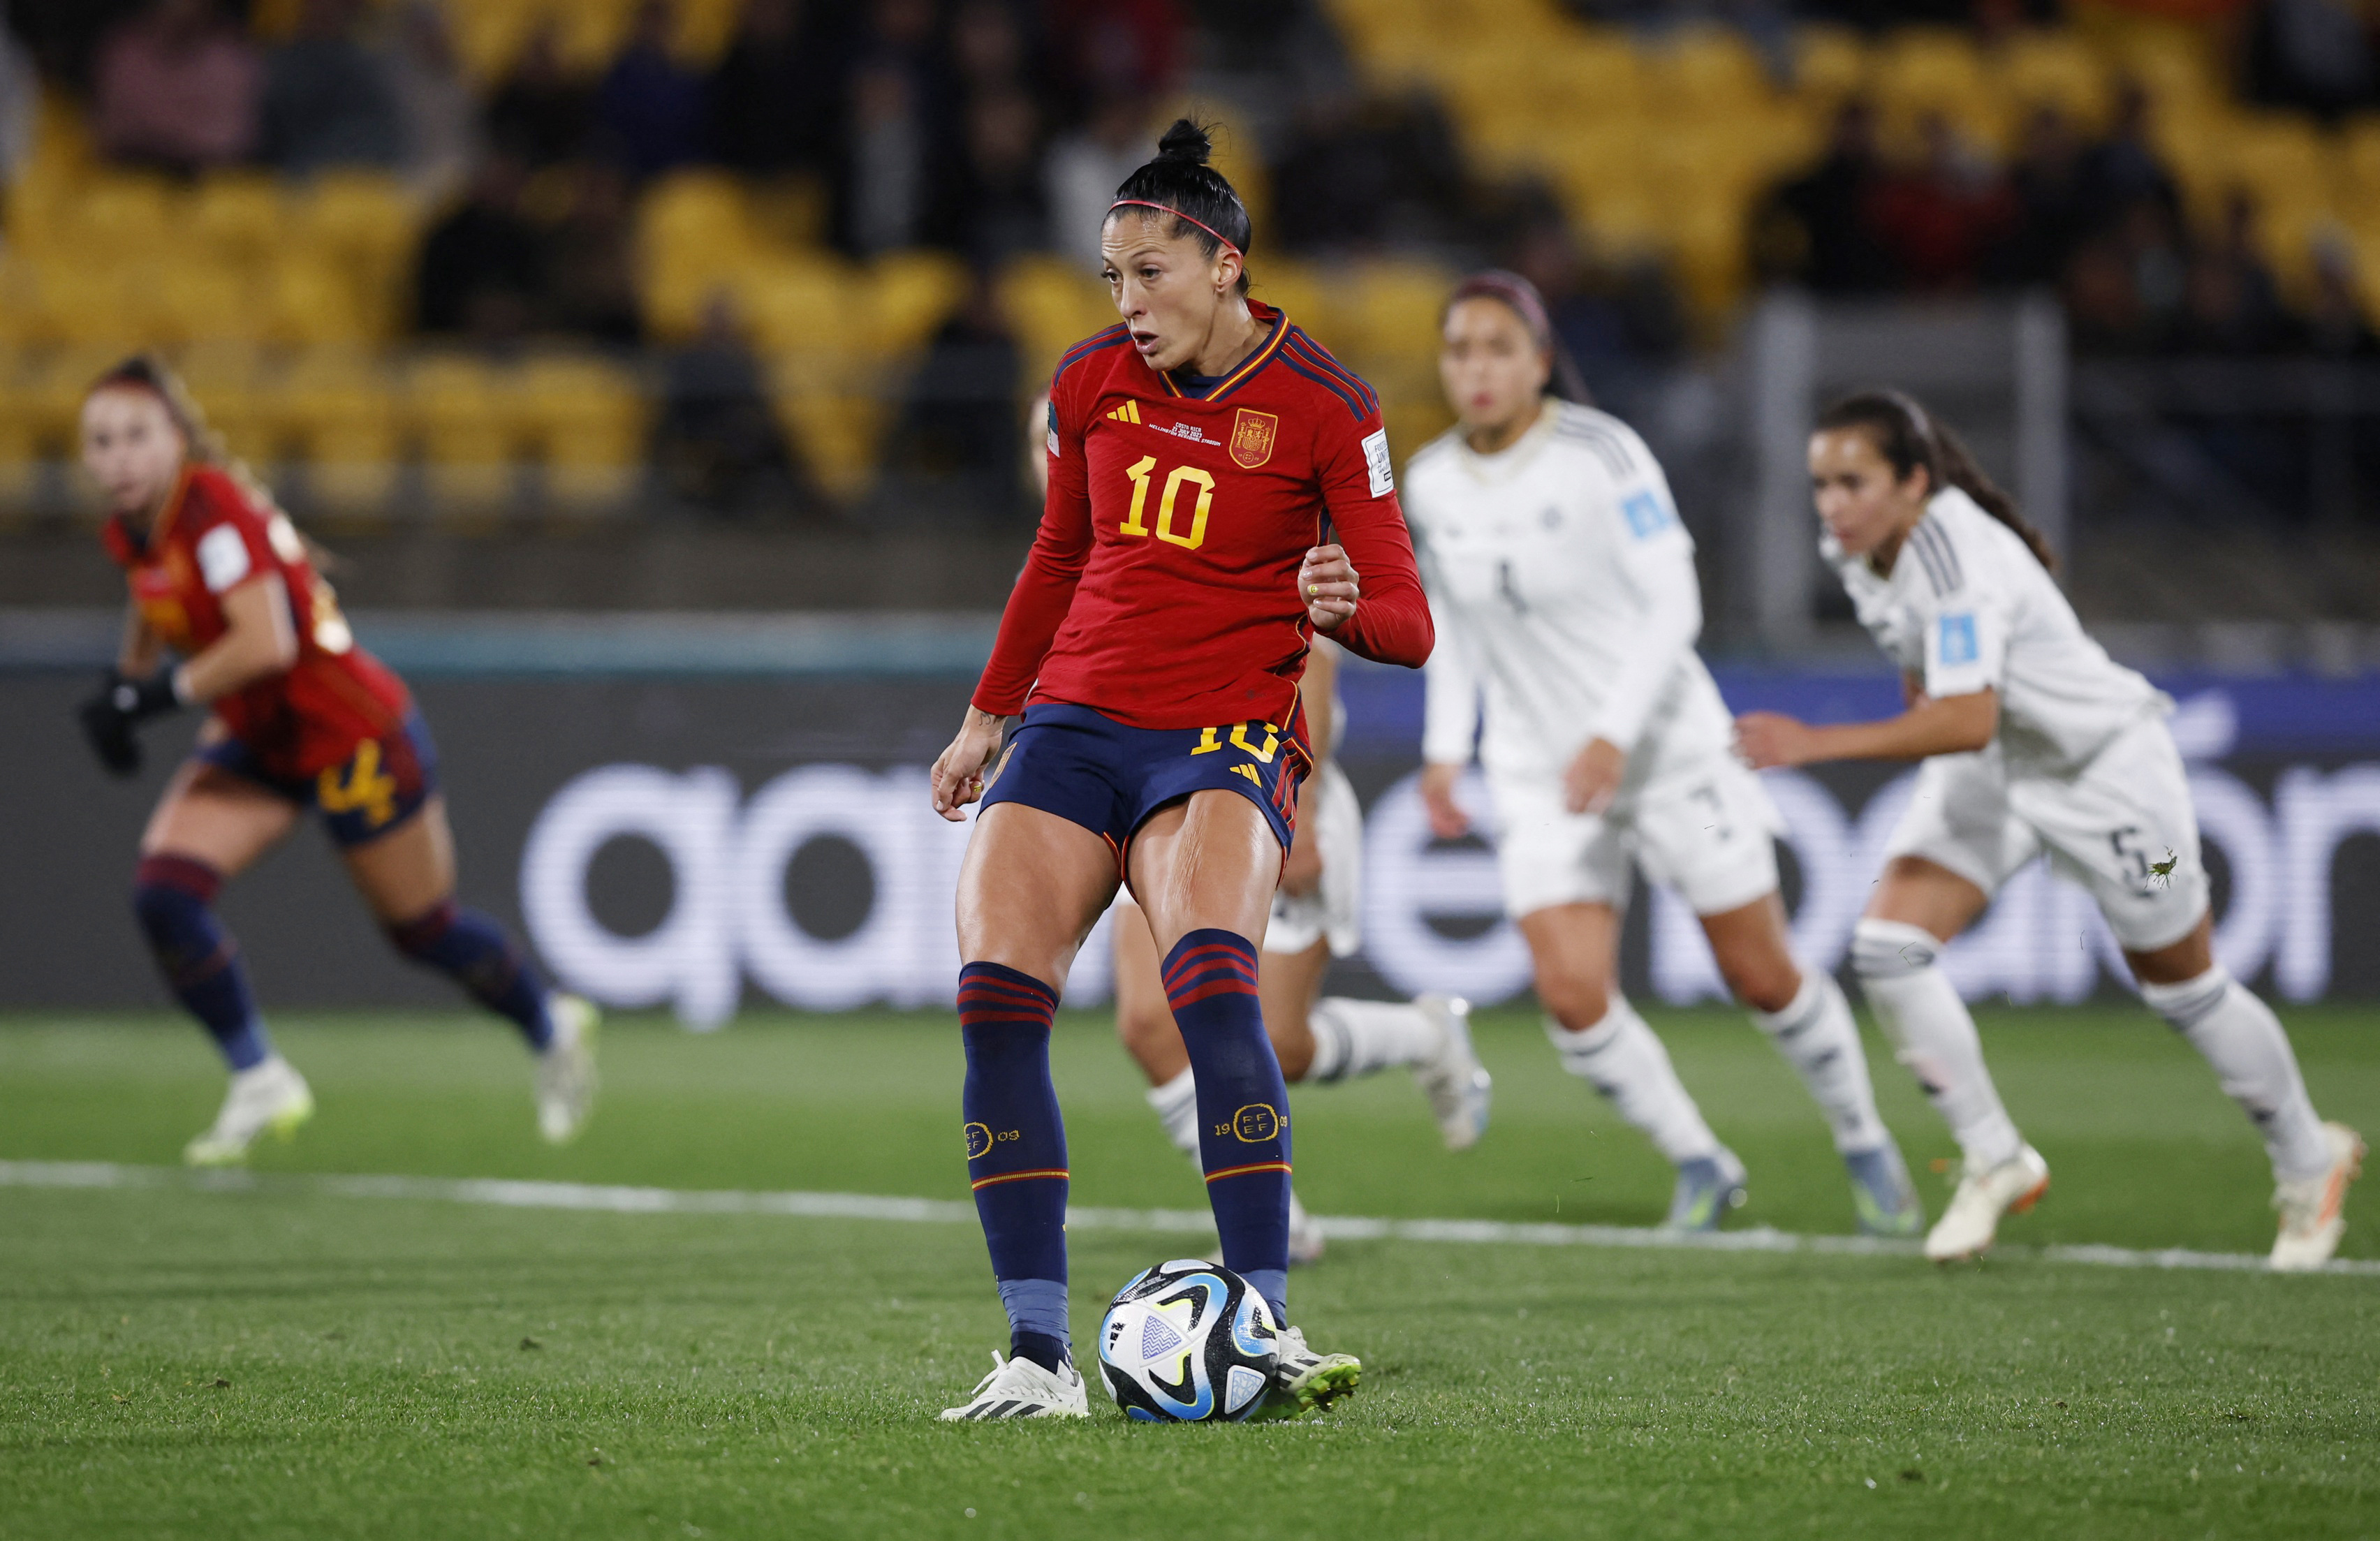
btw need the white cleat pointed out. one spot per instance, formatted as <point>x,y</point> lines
<point>2314,1209</point>
<point>1457,1084</point>
<point>1967,1227</point>
<point>267,1095</point>
<point>1021,1389</point>
<point>565,1070</point>
<point>1305,1242</point>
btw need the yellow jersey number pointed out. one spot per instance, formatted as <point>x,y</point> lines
<point>1140,474</point>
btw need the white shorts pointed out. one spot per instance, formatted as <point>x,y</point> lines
<point>2108,826</point>
<point>1706,831</point>
<point>1331,910</point>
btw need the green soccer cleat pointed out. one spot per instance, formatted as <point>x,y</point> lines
<point>1306,1381</point>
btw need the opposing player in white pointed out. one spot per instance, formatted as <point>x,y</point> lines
<point>2033,740</point>
<point>1314,920</point>
<point>1563,588</point>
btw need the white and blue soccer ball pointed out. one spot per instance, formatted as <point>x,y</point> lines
<point>1188,1342</point>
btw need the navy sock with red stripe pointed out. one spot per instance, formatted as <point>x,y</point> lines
<point>472,950</point>
<point>1211,981</point>
<point>1016,1151</point>
<point>174,898</point>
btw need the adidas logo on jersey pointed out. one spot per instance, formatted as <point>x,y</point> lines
<point>1128,413</point>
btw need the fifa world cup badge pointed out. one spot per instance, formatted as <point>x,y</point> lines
<point>1252,437</point>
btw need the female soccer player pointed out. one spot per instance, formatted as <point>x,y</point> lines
<point>1314,920</point>
<point>1563,587</point>
<point>298,716</point>
<point>2033,740</point>
<point>1154,643</point>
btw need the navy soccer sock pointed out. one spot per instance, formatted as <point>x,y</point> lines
<point>1016,1152</point>
<point>473,949</point>
<point>175,896</point>
<point>1211,979</point>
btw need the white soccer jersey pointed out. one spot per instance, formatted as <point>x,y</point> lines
<point>1968,607</point>
<point>1563,589</point>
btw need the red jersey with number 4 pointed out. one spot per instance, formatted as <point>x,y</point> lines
<point>1161,590</point>
<point>213,537</point>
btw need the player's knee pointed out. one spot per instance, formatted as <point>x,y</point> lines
<point>419,937</point>
<point>1763,984</point>
<point>1576,1000</point>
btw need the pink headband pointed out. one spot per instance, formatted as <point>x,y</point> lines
<point>1230,245</point>
<point>1516,292</point>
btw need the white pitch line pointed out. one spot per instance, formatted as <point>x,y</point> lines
<point>522,1194</point>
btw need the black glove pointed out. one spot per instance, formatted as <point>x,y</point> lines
<point>109,717</point>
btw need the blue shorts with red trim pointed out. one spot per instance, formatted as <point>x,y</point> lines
<point>383,782</point>
<point>1091,770</point>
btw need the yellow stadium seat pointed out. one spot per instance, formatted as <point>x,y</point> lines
<point>1830,63</point>
<point>334,408</point>
<point>1302,293</point>
<point>2357,169</point>
<point>1390,311</point>
<point>1710,72</point>
<point>1925,71</point>
<point>125,215</point>
<point>193,301</point>
<point>589,419</point>
<point>801,307</point>
<point>2056,69</point>
<point>908,295</point>
<point>489,33</point>
<point>305,299</point>
<point>1051,305</point>
<point>464,415</point>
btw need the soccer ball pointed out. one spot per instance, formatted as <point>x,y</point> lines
<point>1188,1342</point>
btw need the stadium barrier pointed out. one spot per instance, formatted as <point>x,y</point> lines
<point>685,822</point>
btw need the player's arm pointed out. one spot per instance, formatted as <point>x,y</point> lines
<point>1366,592</point>
<point>1302,874</point>
<point>1449,722</point>
<point>1956,711</point>
<point>140,649</point>
<point>1656,578</point>
<point>258,641</point>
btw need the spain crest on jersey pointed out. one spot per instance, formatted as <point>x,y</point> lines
<point>1252,437</point>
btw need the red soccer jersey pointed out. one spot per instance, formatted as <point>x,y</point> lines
<point>1162,589</point>
<point>211,538</point>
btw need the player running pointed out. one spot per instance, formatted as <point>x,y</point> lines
<point>1154,643</point>
<point>298,716</point>
<point>1314,920</point>
<point>1563,589</point>
<point>2033,740</point>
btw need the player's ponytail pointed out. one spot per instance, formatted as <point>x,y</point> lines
<point>1199,199</point>
<point>1519,296</point>
<point>1909,437</point>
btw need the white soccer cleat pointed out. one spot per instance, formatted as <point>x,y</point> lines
<point>1305,1381</point>
<point>565,1070</point>
<point>1458,1085</point>
<point>1967,1227</point>
<point>1305,1242</point>
<point>2314,1209</point>
<point>267,1095</point>
<point>1021,1389</point>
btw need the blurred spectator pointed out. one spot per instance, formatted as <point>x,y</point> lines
<point>329,100</point>
<point>1359,171</point>
<point>435,104</point>
<point>1622,324</point>
<point>590,282</point>
<point>482,268</point>
<point>20,100</point>
<point>2335,324</point>
<point>1935,220</point>
<point>884,182</point>
<point>1816,228</point>
<point>999,210</point>
<point>2125,167</point>
<point>767,98</point>
<point>2229,301</point>
<point>1129,45</point>
<point>2310,54</point>
<point>2054,209</point>
<point>987,48</point>
<point>1085,169</point>
<point>650,107</point>
<point>541,112</point>
<point>717,444</point>
<point>2102,308</point>
<point>178,86</point>
<point>958,427</point>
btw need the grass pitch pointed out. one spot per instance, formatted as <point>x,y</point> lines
<point>287,1362</point>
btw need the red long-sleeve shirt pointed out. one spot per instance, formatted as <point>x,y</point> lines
<point>1162,589</point>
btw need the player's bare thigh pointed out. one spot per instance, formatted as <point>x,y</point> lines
<point>1572,948</point>
<point>1209,862</point>
<point>209,814</point>
<point>1031,887</point>
<point>1926,894</point>
<point>1750,945</point>
<point>409,871</point>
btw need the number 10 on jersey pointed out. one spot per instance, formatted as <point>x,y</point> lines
<point>1139,472</point>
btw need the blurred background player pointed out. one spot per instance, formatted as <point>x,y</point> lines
<point>1563,588</point>
<point>298,716</point>
<point>2033,740</point>
<point>1316,917</point>
<point>1153,644</point>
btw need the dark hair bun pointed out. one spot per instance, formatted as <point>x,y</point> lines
<point>1185,142</point>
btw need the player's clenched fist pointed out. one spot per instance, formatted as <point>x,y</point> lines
<point>958,774</point>
<point>1328,582</point>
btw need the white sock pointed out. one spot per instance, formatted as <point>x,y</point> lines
<point>1356,1037</point>
<point>2242,1039</point>
<point>1176,1106</point>
<point>1818,1036</point>
<point>1621,1058</point>
<point>1932,1034</point>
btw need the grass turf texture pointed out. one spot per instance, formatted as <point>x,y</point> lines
<point>400,1368</point>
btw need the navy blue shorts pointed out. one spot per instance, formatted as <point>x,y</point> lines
<point>383,782</point>
<point>1091,770</point>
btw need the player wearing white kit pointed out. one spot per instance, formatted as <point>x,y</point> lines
<point>1563,590</point>
<point>2033,741</point>
<point>1318,1040</point>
